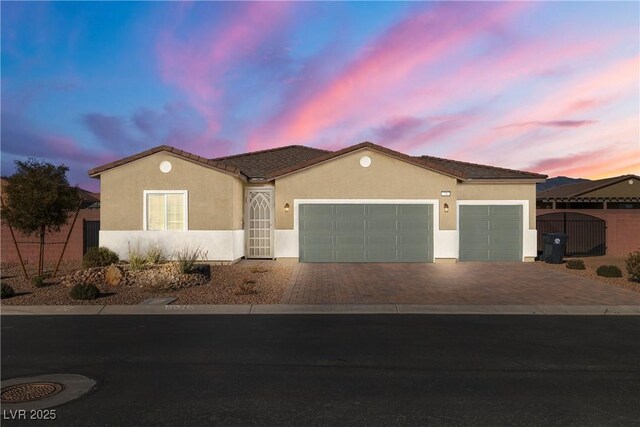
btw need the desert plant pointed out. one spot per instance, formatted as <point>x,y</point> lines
<point>38,281</point>
<point>137,261</point>
<point>633,265</point>
<point>187,259</point>
<point>609,271</point>
<point>156,254</point>
<point>6,291</point>
<point>575,264</point>
<point>84,291</point>
<point>99,257</point>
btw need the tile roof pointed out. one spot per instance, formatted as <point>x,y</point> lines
<point>261,164</point>
<point>270,164</point>
<point>576,190</point>
<point>472,171</point>
<point>180,153</point>
<point>456,169</point>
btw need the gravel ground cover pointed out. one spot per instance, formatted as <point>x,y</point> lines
<point>592,264</point>
<point>241,283</point>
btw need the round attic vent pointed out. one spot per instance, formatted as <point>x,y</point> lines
<point>630,181</point>
<point>165,166</point>
<point>365,161</point>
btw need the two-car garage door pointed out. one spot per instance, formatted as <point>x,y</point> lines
<point>366,232</point>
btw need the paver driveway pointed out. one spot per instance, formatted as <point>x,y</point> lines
<point>468,283</point>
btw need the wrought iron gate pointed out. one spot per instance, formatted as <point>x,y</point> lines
<point>586,233</point>
<point>90,233</point>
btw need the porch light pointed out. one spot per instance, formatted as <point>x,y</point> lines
<point>286,207</point>
<point>446,208</point>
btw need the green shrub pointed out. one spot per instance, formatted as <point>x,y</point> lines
<point>137,261</point>
<point>6,291</point>
<point>575,264</point>
<point>187,259</point>
<point>38,281</point>
<point>156,254</point>
<point>633,265</point>
<point>99,257</point>
<point>609,271</point>
<point>84,291</point>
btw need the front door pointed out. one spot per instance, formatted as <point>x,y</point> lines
<point>259,223</point>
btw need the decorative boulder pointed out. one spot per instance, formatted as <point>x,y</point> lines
<point>114,275</point>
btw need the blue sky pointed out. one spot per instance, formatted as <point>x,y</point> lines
<point>548,87</point>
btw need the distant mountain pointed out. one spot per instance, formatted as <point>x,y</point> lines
<point>558,181</point>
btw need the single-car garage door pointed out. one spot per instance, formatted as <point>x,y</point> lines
<point>366,233</point>
<point>490,233</point>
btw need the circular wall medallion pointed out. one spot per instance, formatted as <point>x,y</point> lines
<point>365,161</point>
<point>630,181</point>
<point>165,166</point>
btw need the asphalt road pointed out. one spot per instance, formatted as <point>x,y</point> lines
<point>335,369</point>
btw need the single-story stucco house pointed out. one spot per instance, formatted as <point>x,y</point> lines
<point>364,203</point>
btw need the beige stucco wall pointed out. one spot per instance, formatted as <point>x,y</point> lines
<point>344,178</point>
<point>481,191</point>
<point>621,189</point>
<point>215,198</point>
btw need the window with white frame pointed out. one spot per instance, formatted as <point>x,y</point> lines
<point>165,210</point>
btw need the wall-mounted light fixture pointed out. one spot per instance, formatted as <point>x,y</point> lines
<point>286,207</point>
<point>445,193</point>
<point>446,208</point>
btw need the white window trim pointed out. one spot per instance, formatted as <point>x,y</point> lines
<point>186,207</point>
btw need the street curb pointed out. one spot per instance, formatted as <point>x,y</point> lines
<point>266,309</point>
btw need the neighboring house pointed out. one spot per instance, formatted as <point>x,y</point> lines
<point>83,235</point>
<point>600,217</point>
<point>365,203</point>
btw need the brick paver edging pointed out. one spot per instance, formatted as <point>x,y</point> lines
<point>579,310</point>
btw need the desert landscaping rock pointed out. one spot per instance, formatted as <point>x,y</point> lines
<point>218,288</point>
<point>114,275</point>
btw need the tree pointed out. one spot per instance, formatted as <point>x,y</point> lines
<point>38,199</point>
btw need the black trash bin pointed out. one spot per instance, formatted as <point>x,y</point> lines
<point>554,247</point>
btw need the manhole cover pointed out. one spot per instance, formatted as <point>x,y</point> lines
<point>28,392</point>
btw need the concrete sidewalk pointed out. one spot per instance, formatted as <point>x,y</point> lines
<point>580,310</point>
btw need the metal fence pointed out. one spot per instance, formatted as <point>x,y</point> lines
<point>586,234</point>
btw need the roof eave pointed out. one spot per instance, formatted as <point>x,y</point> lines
<point>505,180</point>
<point>192,158</point>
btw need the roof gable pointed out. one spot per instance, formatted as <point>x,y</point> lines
<point>176,152</point>
<point>368,145</point>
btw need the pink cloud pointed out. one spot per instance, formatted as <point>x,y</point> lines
<point>599,88</point>
<point>551,123</point>
<point>422,39</point>
<point>198,65</point>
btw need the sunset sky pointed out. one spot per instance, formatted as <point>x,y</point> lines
<point>542,86</point>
